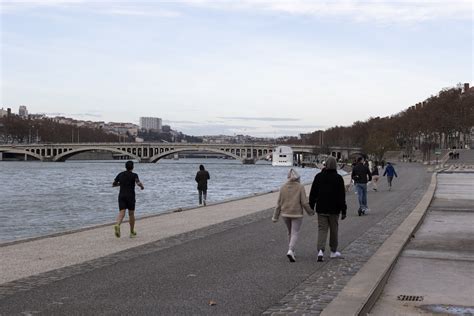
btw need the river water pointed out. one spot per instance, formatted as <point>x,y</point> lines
<point>40,198</point>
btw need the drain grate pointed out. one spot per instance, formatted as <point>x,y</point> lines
<point>410,298</point>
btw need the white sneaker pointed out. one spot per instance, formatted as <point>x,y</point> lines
<point>336,254</point>
<point>291,255</point>
<point>320,256</point>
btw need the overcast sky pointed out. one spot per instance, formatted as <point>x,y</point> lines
<point>256,67</point>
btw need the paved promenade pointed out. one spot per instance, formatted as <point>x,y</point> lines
<point>229,254</point>
<point>436,269</point>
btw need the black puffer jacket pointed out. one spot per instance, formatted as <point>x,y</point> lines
<point>328,193</point>
<point>201,178</point>
<point>361,174</point>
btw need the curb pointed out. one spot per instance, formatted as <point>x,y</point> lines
<point>144,217</point>
<point>361,293</point>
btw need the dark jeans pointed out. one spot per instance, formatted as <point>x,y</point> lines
<point>325,223</point>
<point>202,194</point>
<point>389,180</point>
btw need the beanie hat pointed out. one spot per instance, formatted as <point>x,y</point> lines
<point>331,163</point>
<point>293,175</point>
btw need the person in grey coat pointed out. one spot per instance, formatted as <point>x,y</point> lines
<point>201,178</point>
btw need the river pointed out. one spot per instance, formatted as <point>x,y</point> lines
<point>40,198</point>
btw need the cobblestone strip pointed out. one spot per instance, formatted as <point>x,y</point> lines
<point>316,292</point>
<point>31,282</point>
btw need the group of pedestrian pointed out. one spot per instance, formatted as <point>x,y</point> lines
<point>127,180</point>
<point>453,154</point>
<point>362,175</point>
<point>327,199</point>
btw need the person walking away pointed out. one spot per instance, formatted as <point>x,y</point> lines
<point>291,202</point>
<point>201,178</point>
<point>361,175</point>
<point>126,199</point>
<point>328,194</point>
<point>390,172</point>
<point>375,176</point>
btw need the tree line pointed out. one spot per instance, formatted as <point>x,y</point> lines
<point>17,130</point>
<point>442,121</point>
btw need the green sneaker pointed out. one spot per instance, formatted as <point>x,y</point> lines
<point>117,231</point>
<point>133,234</point>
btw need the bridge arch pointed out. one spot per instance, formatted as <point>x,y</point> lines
<point>68,154</point>
<point>157,157</point>
<point>23,152</point>
<point>264,156</point>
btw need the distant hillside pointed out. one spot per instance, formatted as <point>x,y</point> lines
<point>14,129</point>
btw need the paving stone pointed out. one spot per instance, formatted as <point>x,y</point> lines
<point>325,284</point>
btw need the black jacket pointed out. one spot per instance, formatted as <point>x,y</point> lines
<point>375,171</point>
<point>201,178</point>
<point>328,193</point>
<point>361,174</point>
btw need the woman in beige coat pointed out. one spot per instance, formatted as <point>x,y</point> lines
<point>291,202</point>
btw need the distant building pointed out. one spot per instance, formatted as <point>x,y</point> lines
<point>63,120</point>
<point>23,111</point>
<point>150,123</point>
<point>166,128</point>
<point>121,128</point>
<point>3,112</point>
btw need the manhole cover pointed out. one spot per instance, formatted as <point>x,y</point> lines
<point>410,298</point>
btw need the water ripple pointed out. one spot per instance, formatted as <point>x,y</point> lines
<point>43,198</point>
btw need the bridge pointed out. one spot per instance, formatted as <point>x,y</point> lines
<point>152,152</point>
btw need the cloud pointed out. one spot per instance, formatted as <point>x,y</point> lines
<point>265,119</point>
<point>139,12</point>
<point>381,11</point>
<point>55,114</point>
<point>108,7</point>
<point>180,122</point>
<point>209,129</point>
<point>87,115</point>
<point>72,115</point>
<point>315,127</point>
<point>360,10</point>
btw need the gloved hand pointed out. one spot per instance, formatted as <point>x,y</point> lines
<point>343,216</point>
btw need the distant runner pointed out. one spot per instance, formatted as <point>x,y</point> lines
<point>126,199</point>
